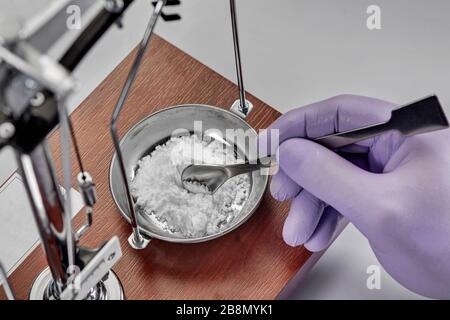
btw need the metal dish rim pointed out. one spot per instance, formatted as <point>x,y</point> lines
<point>152,235</point>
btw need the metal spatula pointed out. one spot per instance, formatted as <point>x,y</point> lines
<point>422,116</point>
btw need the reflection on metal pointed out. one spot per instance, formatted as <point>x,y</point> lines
<point>212,177</point>
<point>109,289</point>
<point>48,210</point>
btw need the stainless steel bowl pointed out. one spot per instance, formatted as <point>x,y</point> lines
<point>156,129</point>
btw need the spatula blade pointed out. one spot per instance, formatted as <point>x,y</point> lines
<point>424,115</point>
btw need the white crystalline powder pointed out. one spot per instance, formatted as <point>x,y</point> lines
<point>160,195</point>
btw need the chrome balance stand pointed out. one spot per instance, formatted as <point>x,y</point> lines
<point>33,88</point>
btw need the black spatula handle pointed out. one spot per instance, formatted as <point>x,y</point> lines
<point>421,116</point>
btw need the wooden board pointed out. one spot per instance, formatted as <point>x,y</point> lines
<point>250,263</point>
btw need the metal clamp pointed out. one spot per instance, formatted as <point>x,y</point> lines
<point>89,194</point>
<point>136,240</point>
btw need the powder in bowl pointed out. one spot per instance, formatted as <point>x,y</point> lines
<point>161,196</point>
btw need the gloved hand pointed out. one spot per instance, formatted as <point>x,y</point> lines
<point>395,190</point>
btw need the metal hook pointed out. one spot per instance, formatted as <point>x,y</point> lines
<point>89,194</point>
<point>136,240</point>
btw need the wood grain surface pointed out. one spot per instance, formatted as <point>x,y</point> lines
<point>252,262</point>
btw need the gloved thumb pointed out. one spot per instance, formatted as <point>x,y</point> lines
<point>331,178</point>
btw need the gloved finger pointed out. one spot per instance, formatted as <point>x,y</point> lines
<point>283,188</point>
<point>323,235</point>
<point>337,114</point>
<point>331,178</point>
<point>303,218</point>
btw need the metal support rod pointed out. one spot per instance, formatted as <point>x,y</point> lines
<point>75,145</point>
<point>6,285</point>
<point>237,55</point>
<point>67,179</point>
<point>48,210</point>
<point>137,241</point>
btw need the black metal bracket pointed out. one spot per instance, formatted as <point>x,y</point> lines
<point>33,125</point>
<point>170,17</point>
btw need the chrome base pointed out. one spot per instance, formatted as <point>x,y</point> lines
<point>109,289</point>
<point>138,245</point>
<point>237,109</point>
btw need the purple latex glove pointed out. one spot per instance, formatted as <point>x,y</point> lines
<point>395,190</point>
